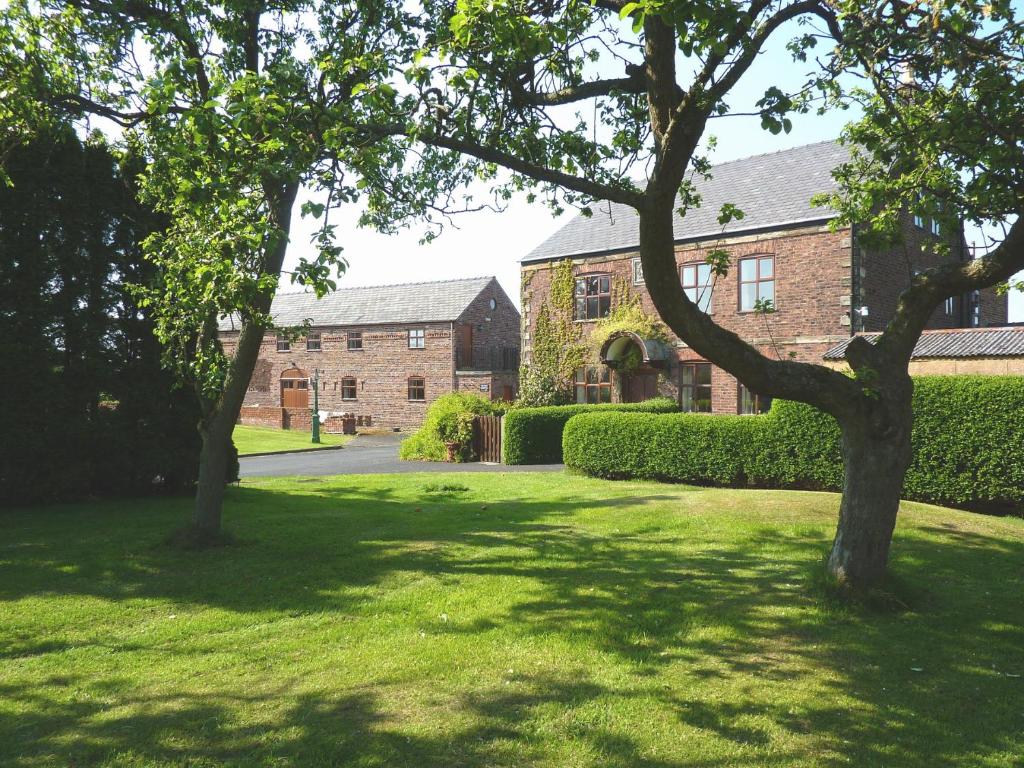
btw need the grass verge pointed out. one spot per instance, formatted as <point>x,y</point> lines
<point>249,439</point>
<point>503,620</point>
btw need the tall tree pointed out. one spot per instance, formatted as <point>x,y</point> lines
<point>237,104</point>
<point>91,411</point>
<point>570,95</point>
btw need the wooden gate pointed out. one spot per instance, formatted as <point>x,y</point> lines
<point>487,438</point>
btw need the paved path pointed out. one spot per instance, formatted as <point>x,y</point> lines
<point>365,455</point>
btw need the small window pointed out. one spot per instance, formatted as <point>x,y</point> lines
<point>348,388</point>
<point>752,403</point>
<point>417,388</point>
<point>638,272</point>
<point>919,221</point>
<point>593,297</point>
<point>695,387</point>
<point>593,385</point>
<point>493,304</point>
<point>417,339</point>
<point>283,345</point>
<point>313,342</point>
<point>950,306</point>
<point>936,227</point>
<point>355,340</point>
<point>975,303</point>
<point>757,281</point>
<point>696,282</point>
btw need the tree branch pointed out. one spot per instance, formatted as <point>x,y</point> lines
<point>588,187</point>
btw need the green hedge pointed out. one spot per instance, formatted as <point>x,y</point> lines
<point>534,435</point>
<point>968,445</point>
<point>450,418</point>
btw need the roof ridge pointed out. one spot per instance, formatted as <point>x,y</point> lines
<point>389,285</point>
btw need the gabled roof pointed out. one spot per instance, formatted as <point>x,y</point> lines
<point>955,343</point>
<point>439,301</point>
<point>773,190</point>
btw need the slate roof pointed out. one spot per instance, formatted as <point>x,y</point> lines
<point>438,301</point>
<point>959,343</point>
<point>773,190</point>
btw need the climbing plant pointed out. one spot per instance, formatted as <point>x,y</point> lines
<point>556,351</point>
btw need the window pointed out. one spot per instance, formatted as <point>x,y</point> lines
<point>696,281</point>
<point>975,300</point>
<point>757,281</point>
<point>950,306</point>
<point>348,388</point>
<point>936,227</point>
<point>283,345</point>
<point>355,340</point>
<point>919,221</point>
<point>638,272</point>
<point>417,339</point>
<point>593,297</point>
<point>593,385</point>
<point>695,387</point>
<point>417,388</point>
<point>313,342</point>
<point>751,402</point>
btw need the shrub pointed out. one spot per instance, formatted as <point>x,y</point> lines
<point>448,419</point>
<point>967,438</point>
<point>534,435</point>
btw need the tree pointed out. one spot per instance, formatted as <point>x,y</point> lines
<point>236,105</point>
<point>528,85</point>
<point>91,411</point>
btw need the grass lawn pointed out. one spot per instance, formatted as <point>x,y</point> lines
<point>526,620</point>
<point>265,439</point>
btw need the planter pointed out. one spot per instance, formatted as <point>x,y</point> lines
<point>453,451</point>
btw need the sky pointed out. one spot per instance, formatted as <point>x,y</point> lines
<point>491,243</point>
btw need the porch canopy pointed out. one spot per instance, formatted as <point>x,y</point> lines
<point>653,353</point>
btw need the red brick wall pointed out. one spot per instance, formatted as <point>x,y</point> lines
<point>885,274</point>
<point>381,370</point>
<point>493,329</point>
<point>262,416</point>
<point>812,290</point>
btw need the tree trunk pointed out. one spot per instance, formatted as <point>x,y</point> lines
<point>220,416</point>
<point>876,454</point>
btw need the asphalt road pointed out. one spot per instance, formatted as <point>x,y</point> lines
<point>365,455</point>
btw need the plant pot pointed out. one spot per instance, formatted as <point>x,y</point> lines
<point>453,451</point>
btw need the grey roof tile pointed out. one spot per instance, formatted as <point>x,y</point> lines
<point>438,301</point>
<point>772,190</point>
<point>960,342</point>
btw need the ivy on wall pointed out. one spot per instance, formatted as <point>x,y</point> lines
<point>556,350</point>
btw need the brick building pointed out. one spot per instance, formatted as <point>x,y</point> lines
<point>382,353</point>
<point>824,286</point>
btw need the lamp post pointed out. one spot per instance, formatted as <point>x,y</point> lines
<point>316,405</point>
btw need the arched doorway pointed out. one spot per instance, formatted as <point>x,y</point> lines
<point>294,388</point>
<point>638,362</point>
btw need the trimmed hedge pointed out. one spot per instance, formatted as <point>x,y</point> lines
<point>968,445</point>
<point>534,435</point>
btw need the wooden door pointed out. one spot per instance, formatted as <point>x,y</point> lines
<point>294,393</point>
<point>642,385</point>
<point>465,349</point>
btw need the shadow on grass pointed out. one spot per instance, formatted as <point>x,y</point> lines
<point>912,690</point>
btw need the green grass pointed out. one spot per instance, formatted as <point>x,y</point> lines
<point>266,440</point>
<point>502,620</point>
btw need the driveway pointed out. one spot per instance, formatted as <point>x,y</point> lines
<point>366,455</point>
